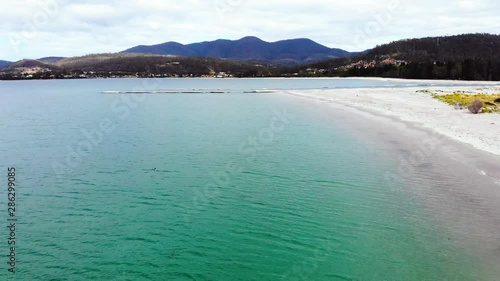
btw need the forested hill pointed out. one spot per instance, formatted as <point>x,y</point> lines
<point>130,65</point>
<point>4,63</point>
<point>461,57</point>
<point>460,47</point>
<point>285,52</point>
<point>464,57</point>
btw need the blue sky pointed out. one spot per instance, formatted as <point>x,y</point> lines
<point>39,28</point>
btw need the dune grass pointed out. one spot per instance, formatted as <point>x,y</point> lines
<point>491,101</point>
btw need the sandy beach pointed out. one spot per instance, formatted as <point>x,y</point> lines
<point>408,104</point>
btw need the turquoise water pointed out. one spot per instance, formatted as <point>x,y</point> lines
<point>208,187</point>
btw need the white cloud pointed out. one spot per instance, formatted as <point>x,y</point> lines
<point>37,28</point>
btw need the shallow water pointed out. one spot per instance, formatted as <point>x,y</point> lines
<point>226,187</point>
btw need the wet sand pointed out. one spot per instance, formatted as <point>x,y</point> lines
<point>407,104</point>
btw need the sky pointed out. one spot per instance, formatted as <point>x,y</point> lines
<point>41,28</point>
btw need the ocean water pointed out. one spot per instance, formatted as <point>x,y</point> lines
<point>235,186</point>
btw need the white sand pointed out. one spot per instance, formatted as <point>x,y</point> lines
<point>481,131</point>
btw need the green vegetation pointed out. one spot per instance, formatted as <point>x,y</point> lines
<point>489,102</point>
<point>131,65</point>
<point>461,57</point>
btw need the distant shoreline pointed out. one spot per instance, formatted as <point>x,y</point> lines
<point>438,81</point>
<point>481,131</point>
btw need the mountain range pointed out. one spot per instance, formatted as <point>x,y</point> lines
<point>4,63</point>
<point>459,57</point>
<point>285,52</point>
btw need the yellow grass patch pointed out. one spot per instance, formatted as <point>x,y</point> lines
<point>491,101</point>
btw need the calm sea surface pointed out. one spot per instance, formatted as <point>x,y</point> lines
<point>234,186</point>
